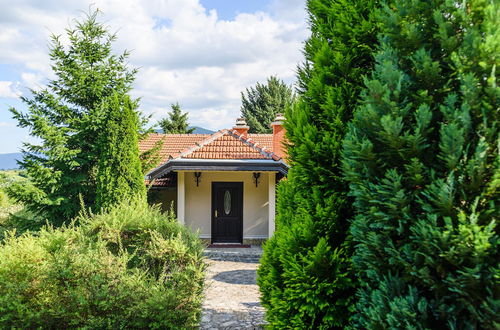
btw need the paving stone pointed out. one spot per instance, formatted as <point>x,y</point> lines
<point>232,298</point>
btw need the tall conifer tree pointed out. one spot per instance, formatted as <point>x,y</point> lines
<point>67,118</point>
<point>261,104</point>
<point>119,174</point>
<point>306,277</point>
<point>176,123</point>
<point>422,160</point>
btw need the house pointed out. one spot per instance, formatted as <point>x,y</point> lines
<point>222,184</point>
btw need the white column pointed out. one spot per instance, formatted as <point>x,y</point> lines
<point>272,202</point>
<point>181,200</point>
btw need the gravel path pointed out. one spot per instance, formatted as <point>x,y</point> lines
<point>232,294</point>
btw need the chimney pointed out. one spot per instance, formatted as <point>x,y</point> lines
<point>279,135</point>
<point>241,127</point>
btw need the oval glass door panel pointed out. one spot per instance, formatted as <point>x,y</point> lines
<point>227,202</point>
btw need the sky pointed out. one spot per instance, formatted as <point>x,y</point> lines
<point>199,53</point>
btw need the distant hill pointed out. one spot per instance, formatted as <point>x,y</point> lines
<point>197,130</point>
<point>201,130</point>
<point>8,161</point>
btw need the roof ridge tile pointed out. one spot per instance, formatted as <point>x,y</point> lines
<point>201,144</point>
<point>268,154</point>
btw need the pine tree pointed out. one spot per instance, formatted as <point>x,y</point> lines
<point>176,123</point>
<point>306,277</point>
<point>119,174</point>
<point>261,104</point>
<point>67,117</point>
<point>422,159</point>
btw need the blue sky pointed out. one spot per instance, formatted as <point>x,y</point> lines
<point>228,9</point>
<point>200,53</point>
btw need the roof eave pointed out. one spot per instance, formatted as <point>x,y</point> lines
<point>255,165</point>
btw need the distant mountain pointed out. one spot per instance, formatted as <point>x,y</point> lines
<point>197,130</point>
<point>201,130</point>
<point>8,161</point>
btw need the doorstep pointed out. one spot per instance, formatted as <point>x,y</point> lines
<point>250,254</point>
<point>229,245</point>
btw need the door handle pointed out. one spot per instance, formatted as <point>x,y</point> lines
<point>216,213</point>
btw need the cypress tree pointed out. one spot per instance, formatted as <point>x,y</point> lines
<point>306,277</point>
<point>261,104</point>
<point>422,159</point>
<point>119,173</point>
<point>66,117</point>
<point>176,123</point>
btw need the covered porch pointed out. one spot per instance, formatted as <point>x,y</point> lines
<point>227,202</point>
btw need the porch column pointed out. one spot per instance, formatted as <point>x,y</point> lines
<point>180,197</point>
<point>272,202</point>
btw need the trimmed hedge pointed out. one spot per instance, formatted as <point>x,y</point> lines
<point>130,266</point>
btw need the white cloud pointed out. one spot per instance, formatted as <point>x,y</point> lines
<point>32,80</point>
<point>9,89</point>
<point>5,124</point>
<point>185,53</point>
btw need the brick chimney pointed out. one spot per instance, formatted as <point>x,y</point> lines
<point>279,135</point>
<point>241,127</point>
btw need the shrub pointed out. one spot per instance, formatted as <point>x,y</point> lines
<point>130,266</point>
<point>14,215</point>
<point>422,159</point>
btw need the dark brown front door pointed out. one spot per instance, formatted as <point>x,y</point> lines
<point>227,212</point>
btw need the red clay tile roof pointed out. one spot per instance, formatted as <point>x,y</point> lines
<point>225,144</point>
<point>169,181</point>
<point>173,144</point>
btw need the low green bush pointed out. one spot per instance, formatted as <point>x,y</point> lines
<point>128,267</point>
<point>13,215</point>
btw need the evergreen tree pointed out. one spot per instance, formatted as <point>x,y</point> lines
<point>422,159</point>
<point>176,123</point>
<point>119,174</point>
<point>306,277</point>
<point>67,118</point>
<point>261,104</point>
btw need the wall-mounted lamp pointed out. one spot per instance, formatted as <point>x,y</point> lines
<point>197,176</point>
<point>256,177</point>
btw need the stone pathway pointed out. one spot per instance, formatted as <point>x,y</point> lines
<point>231,291</point>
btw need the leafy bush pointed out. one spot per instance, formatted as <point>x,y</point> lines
<point>14,215</point>
<point>7,178</point>
<point>130,266</point>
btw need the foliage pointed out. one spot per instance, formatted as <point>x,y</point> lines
<point>176,123</point>
<point>306,277</point>
<point>261,104</point>
<point>130,267</point>
<point>67,118</point>
<point>151,158</point>
<point>119,173</point>
<point>422,159</point>
<point>13,215</point>
<point>7,178</point>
